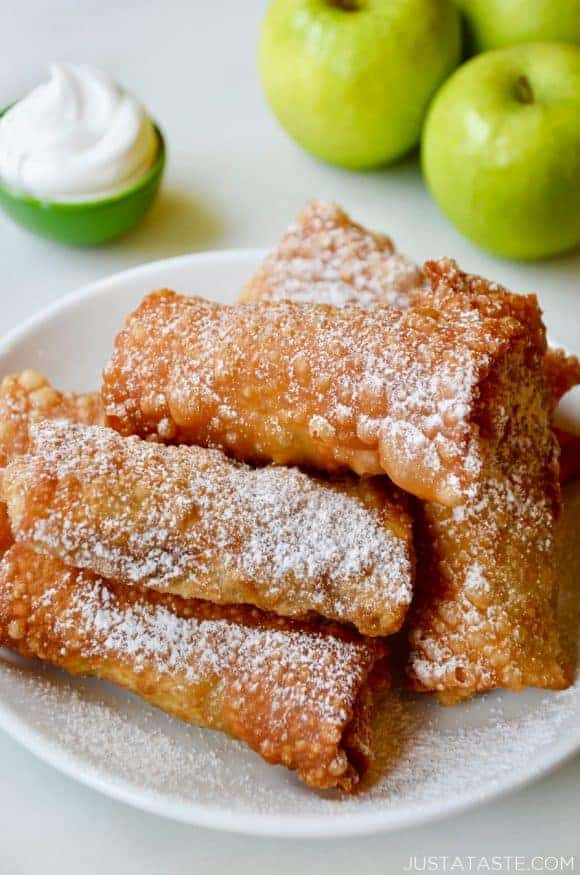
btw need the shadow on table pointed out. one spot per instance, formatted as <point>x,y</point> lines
<point>174,225</point>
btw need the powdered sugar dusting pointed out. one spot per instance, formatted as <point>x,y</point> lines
<point>195,650</point>
<point>487,580</point>
<point>28,397</point>
<point>376,390</point>
<point>191,521</point>
<point>427,755</point>
<point>327,258</point>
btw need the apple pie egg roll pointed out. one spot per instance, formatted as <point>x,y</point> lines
<point>190,521</point>
<point>485,609</point>
<point>298,694</point>
<point>328,258</point>
<point>26,398</point>
<point>420,395</point>
<point>483,614</point>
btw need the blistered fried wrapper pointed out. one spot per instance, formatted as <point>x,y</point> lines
<point>421,395</point>
<point>298,694</point>
<point>190,521</point>
<point>27,398</point>
<point>483,615</point>
<point>325,257</point>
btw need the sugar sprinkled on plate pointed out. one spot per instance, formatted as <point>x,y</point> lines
<point>425,753</point>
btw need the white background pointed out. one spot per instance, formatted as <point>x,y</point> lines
<point>233,180</point>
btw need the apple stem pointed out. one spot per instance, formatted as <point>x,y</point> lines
<point>523,90</point>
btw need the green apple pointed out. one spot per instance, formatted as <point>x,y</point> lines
<point>501,149</point>
<point>350,80</point>
<point>494,24</point>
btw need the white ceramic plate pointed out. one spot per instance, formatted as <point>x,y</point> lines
<point>434,761</point>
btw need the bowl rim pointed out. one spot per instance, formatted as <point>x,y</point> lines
<point>77,206</point>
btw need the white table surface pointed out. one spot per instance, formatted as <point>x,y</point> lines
<point>233,180</point>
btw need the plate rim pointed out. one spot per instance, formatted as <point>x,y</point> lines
<point>308,826</point>
<point>94,288</point>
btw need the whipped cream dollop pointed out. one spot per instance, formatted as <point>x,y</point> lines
<point>77,137</point>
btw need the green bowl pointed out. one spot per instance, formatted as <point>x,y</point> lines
<point>87,223</point>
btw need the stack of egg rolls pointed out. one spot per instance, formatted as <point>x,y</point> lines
<point>139,523</point>
<point>483,615</point>
<point>236,542</point>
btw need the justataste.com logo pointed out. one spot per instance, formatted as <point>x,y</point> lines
<point>490,864</point>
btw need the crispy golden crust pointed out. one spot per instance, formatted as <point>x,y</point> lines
<point>298,694</point>
<point>327,258</point>
<point>26,398</point>
<point>561,371</point>
<point>6,539</point>
<point>191,521</point>
<point>374,390</point>
<point>483,615</point>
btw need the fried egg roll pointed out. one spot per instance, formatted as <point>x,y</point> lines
<point>485,610</point>
<point>327,258</point>
<point>298,694</point>
<point>190,521</point>
<point>26,398</point>
<point>483,614</point>
<point>422,396</point>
